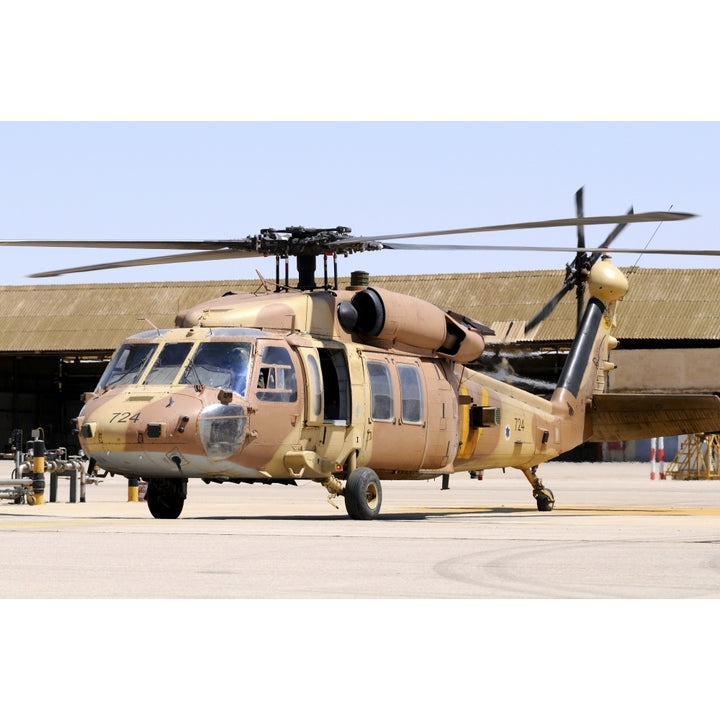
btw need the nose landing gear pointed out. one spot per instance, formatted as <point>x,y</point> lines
<point>165,497</point>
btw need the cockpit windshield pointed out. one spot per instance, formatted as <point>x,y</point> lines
<point>222,365</point>
<point>127,365</point>
<point>167,366</point>
<point>219,364</point>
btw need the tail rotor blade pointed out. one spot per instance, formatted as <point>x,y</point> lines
<point>549,306</point>
<point>581,265</point>
<point>580,213</point>
<point>611,237</point>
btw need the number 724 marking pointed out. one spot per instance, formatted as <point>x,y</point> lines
<point>124,417</point>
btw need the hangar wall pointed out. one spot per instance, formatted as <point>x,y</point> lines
<point>661,369</point>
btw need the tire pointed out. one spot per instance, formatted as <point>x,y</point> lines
<point>165,498</point>
<point>363,494</point>
<point>545,503</point>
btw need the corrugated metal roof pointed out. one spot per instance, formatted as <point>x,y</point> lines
<point>670,304</point>
<point>662,304</point>
<point>89,318</point>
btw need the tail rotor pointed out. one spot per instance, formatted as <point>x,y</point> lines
<point>576,272</point>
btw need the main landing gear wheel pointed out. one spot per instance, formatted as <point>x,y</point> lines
<point>363,494</point>
<point>165,497</point>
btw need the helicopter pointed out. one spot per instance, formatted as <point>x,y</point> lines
<point>352,386</point>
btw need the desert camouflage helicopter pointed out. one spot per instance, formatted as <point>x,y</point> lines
<point>348,387</point>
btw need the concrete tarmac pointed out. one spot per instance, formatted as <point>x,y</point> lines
<point>614,533</point>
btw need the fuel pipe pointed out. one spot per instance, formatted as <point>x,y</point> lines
<point>28,483</point>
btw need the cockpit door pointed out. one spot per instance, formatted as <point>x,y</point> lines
<point>328,401</point>
<point>313,386</point>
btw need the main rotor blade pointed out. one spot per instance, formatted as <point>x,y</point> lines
<point>659,216</point>
<point>656,216</point>
<point>162,260</point>
<point>288,242</point>
<point>229,250</point>
<point>230,253</point>
<point>548,248</point>
<point>130,244</point>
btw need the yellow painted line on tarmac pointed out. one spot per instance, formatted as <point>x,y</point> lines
<point>667,511</point>
<point>688,511</point>
<point>681,511</point>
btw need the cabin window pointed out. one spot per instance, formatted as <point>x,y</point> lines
<point>315,393</point>
<point>167,366</point>
<point>411,393</point>
<point>381,390</point>
<point>219,364</point>
<point>276,381</point>
<point>127,365</point>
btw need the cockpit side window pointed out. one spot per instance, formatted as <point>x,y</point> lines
<point>277,381</point>
<point>127,365</point>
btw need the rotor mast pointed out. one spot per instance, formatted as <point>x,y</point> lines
<point>306,244</point>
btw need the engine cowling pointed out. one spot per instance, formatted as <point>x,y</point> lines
<point>389,316</point>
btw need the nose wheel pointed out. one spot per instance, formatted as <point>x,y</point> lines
<point>165,497</point>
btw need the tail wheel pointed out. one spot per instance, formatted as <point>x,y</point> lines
<point>165,497</point>
<point>545,500</point>
<point>363,494</point>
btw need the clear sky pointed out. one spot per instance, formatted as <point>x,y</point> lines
<point>220,180</point>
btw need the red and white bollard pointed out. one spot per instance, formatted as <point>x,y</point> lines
<point>661,457</point>
<point>653,453</point>
<point>657,458</point>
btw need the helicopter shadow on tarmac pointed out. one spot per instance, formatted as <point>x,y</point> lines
<point>389,516</point>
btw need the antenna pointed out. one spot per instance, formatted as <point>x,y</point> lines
<point>634,267</point>
<point>151,324</point>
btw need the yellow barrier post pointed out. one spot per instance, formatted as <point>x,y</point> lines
<point>38,483</point>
